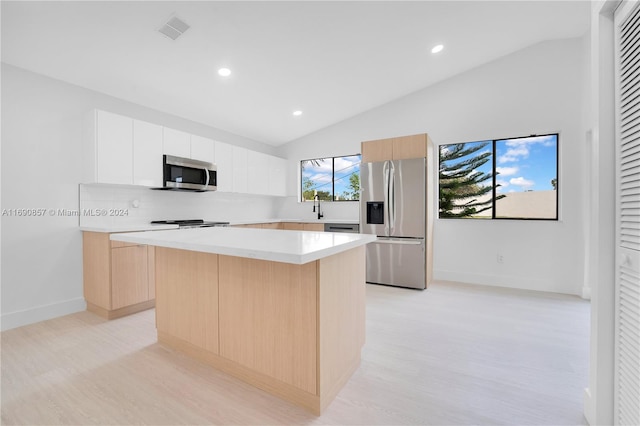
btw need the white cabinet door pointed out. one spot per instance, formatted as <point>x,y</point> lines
<point>147,154</point>
<point>176,143</point>
<point>114,146</point>
<point>277,176</point>
<point>202,149</point>
<point>224,164</point>
<point>257,172</point>
<point>239,169</point>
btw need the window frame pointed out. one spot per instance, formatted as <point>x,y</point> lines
<point>333,183</point>
<point>494,177</point>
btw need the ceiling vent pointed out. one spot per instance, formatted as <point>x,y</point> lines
<point>174,28</point>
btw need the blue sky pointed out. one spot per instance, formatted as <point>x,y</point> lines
<point>526,164</point>
<point>321,175</point>
<point>523,164</point>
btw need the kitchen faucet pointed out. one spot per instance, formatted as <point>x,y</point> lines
<point>317,198</point>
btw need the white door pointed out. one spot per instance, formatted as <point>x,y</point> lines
<point>203,149</point>
<point>277,176</point>
<point>147,154</point>
<point>240,178</point>
<point>224,164</point>
<point>176,143</point>
<point>115,148</point>
<point>257,173</point>
<point>627,334</point>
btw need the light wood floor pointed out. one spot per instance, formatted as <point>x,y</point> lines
<point>454,354</point>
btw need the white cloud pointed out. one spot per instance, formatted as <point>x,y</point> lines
<point>342,164</point>
<point>522,182</point>
<point>321,177</point>
<point>519,148</point>
<point>501,185</point>
<point>514,153</point>
<point>507,171</point>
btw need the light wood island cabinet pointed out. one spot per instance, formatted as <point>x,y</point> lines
<point>118,277</point>
<point>295,331</point>
<point>283,311</point>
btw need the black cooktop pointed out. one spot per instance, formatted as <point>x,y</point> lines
<point>189,223</point>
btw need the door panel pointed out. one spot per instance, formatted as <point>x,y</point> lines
<point>129,276</point>
<point>373,192</point>
<point>409,198</point>
<point>627,295</point>
<point>396,261</point>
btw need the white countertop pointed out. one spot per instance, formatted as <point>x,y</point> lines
<point>150,227</point>
<point>252,221</point>
<point>276,245</point>
<point>128,228</point>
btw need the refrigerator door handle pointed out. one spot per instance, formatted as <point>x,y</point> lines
<point>385,172</point>
<point>399,241</point>
<point>392,198</point>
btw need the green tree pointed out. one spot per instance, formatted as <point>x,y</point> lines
<point>460,189</point>
<point>353,193</point>
<point>554,183</point>
<point>308,191</point>
<point>307,188</point>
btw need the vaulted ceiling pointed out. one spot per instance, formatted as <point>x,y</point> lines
<point>329,59</point>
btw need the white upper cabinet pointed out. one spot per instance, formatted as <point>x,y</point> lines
<point>202,149</point>
<point>176,143</point>
<point>122,150</point>
<point>224,165</point>
<point>240,182</point>
<point>108,150</point>
<point>147,154</point>
<point>277,176</point>
<point>257,173</point>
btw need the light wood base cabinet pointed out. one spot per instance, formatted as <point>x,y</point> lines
<point>292,226</point>
<point>295,331</point>
<point>304,226</point>
<point>118,278</point>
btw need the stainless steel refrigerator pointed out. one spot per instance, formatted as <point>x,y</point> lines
<point>393,207</point>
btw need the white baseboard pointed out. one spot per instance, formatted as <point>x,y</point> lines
<point>41,313</point>
<point>517,282</point>
<point>588,406</point>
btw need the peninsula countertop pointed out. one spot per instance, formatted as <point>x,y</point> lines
<point>297,247</point>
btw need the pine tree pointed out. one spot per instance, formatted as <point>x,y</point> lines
<point>461,193</point>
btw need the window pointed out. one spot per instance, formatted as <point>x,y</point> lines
<point>332,179</point>
<point>514,178</point>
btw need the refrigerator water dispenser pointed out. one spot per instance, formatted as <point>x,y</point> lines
<point>375,212</point>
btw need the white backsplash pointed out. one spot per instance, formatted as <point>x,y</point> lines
<point>290,208</point>
<point>142,205</point>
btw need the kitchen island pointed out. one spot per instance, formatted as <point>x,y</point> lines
<point>281,310</point>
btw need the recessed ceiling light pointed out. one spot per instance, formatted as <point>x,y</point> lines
<point>297,113</point>
<point>224,72</point>
<point>437,48</point>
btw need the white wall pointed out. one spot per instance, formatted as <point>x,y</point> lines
<point>41,168</point>
<point>599,396</point>
<point>537,90</point>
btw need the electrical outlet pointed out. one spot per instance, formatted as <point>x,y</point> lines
<point>500,258</point>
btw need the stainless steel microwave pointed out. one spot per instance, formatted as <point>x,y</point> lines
<point>188,175</point>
